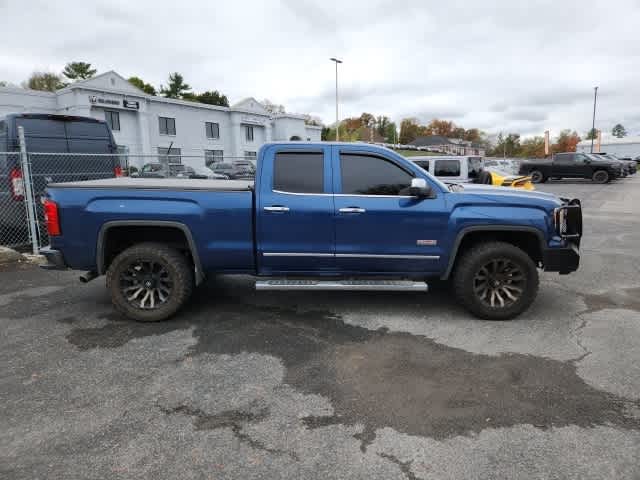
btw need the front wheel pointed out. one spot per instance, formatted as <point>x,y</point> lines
<point>537,177</point>
<point>601,176</point>
<point>149,282</point>
<point>495,281</point>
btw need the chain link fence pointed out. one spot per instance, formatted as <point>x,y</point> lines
<point>14,225</point>
<point>24,177</point>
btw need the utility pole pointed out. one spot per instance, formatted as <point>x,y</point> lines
<point>334,59</point>
<point>593,123</point>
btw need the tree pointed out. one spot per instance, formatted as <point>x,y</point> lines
<point>312,120</point>
<point>566,141</point>
<point>532,148</point>
<point>213,97</point>
<point>592,134</point>
<point>409,130</point>
<point>271,107</point>
<point>390,133</point>
<point>473,135</point>
<point>78,71</point>
<point>145,87</point>
<point>45,81</point>
<point>367,120</point>
<point>458,132</point>
<point>508,146</point>
<point>440,127</point>
<point>619,131</point>
<point>176,88</point>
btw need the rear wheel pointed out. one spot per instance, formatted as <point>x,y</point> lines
<point>601,176</point>
<point>149,282</point>
<point>495,281</point>
<point>537,177</point>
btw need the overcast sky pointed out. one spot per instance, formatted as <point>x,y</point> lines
<point>496,65</point>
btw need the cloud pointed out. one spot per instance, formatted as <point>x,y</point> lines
<point>495,65</point>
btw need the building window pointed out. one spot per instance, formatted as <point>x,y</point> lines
<point>113,119</point>
<point>249,133</point>
<point>250,156</point>
<point>167,125</point>
<point>213,156</point>
<point>212,129</point>
<point>166,155</point>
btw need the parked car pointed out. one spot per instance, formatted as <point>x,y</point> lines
<point>232,171</point>
<point>470,169</point>
<point>573,165</point>
<point>320,216</point>
<point>57,135</point>
<point>629,165</point>
<point>177,170</point>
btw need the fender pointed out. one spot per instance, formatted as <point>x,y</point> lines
<point>487,228</point>
<point>199,274</point>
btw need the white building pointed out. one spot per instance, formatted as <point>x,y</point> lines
<point>146,124</point>
<point>622,147</point>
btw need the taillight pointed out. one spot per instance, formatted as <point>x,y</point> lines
<point>118,171</point>
<point>51,218</point>
<point>17,184</point>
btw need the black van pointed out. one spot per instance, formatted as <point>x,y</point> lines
<point>49,138</point>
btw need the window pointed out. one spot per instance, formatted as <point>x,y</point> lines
<point>371,175</point>
<point>424,164</point>
<point>579,158</point>
<point>250,155</point>
<point>249,133</point>
<point>113,119</point>
<point>167,125</point>
<point>213,156</point>
<point>298,172</point>
<point>447,168</point>
<point>212,129</point>
<point>169,156</point>
<point>563,158</point>
<point>475,166</point>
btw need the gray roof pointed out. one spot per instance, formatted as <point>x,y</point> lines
<point>431,140</point>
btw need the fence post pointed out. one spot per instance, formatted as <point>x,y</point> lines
<point>28,190</point>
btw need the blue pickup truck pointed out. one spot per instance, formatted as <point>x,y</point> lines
<point>320,216</point>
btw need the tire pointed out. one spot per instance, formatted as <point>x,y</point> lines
<point>537,177</point>
<point>600,176</point>
<point>484,178</point>
<point>168,269</point>
<point>519,274</point>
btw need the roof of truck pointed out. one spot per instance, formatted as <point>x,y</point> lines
<point>161,184</point>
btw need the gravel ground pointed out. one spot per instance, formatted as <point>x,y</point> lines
<point>247,384</point>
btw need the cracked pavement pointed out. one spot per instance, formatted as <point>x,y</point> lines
<point>246,384</point>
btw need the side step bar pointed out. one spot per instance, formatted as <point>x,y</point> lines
<point>360,285</point>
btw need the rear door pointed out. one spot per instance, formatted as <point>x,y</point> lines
<point>294,211</point>
<point>564,165</point>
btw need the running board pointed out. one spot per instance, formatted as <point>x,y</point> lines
<point>360,285</point>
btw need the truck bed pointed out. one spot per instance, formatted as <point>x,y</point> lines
<point>162,184</point>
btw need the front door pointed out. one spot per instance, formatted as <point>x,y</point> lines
<point>379,231</point>
<point>295,225</point>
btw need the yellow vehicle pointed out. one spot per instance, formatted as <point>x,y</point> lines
<point>503,179</point>
<point>470,169</point>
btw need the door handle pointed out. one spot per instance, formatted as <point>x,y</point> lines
<point>276,208</point>
<point>352,210</point>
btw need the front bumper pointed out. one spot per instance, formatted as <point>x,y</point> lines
<point>563,260</point>
<point>55,259</point>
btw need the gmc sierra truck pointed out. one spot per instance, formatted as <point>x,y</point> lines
<point>320,216</point>
<point>573,165</point>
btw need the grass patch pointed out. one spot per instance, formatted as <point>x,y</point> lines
<point>417,153</point>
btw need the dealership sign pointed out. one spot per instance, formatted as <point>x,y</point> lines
<point>103,101</point>
<point>133,104</point>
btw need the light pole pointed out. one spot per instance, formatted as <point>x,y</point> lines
<point>593,123</point>
<point>333,59</point>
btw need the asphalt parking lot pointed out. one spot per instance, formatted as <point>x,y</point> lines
<point>247,384</point>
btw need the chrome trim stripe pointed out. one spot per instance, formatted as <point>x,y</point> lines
<point>350,255</point>
<point>369,255</point>
<point>292,254</point>
<point>341,195</point>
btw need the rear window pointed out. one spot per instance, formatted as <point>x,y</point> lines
<point>41,127</point>
<point>87,129</point>
<point>447,168</point>
<point>424,164</point>
<point>298,172</point>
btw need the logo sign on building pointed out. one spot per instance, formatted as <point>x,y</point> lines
<point>96,100</point>
<point>132,104</point>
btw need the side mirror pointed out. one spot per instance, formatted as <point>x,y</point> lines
<point>418,189</point>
